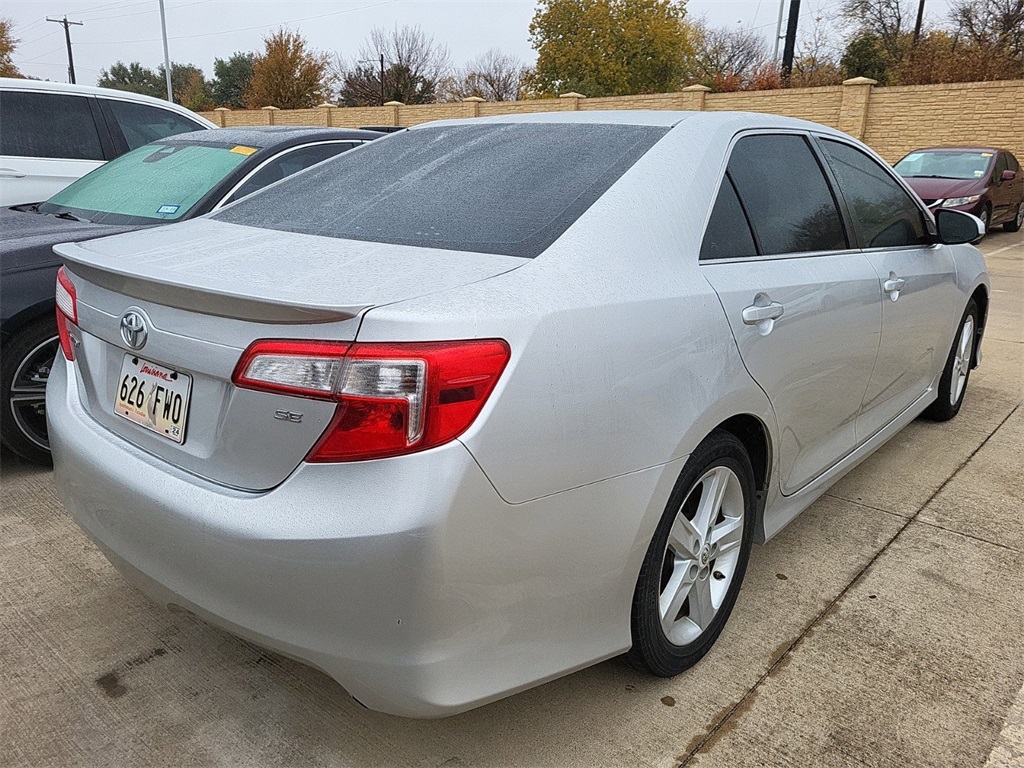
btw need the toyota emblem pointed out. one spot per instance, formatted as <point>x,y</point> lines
<point>133,328</point>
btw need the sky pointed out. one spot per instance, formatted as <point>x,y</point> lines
<point>201,30</point>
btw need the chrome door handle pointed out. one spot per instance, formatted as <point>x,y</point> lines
<point>10,173</point>
<point>755,314</point>
<point>895,284</point>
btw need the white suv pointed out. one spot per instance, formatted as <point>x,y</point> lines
<point>53,133</point>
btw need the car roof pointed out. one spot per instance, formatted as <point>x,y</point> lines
<point>271,135</point>
<point>701,121</point>
<point>958,149</point>
<point>19,84</point>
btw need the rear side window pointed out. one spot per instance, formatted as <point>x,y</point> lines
<point>884,215</point>
<point>728,234</point>
<point>785,194</point>
<point>49,125</point>
<point>1012,162</point>
<point>142,123</point>
<point>1002,164</point>
<point>287,163</point>
<point>507,188</point>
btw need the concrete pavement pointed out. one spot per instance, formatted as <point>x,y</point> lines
<point>884,627</point>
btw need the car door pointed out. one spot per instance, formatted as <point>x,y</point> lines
<point>1000,191</point>
<point>916,283</point>
<point>47,140</point>
<point>802,305</point>
<point>1016,191</point>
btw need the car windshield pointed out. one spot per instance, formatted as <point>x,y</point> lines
<point>161,181</point>
<point>488,188</point>
<point>966,164</point>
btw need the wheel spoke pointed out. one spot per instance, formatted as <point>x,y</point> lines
<point>727,535</point>
<point>702,610</point>
<point>712,493</point>
<point>684,538</point>
<point>27,398</point>
<point>679,586</point>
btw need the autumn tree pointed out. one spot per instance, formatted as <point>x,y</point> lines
<point>230,79</point>
<point>189,85</point>
<point>288,74</point>
<point>609,47</point>
<point>493,76</point>
<point>993,25</point>
<point>889,22</point>
<point>415,66</point>
<point>731,59</point>
<point>8,44</point>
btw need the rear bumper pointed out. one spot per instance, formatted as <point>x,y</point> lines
<point>408,580</point>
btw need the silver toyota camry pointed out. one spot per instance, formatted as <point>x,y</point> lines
<point>488,401</point>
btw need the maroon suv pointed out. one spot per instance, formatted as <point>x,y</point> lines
<point>985,182</point>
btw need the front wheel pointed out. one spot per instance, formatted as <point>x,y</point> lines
<point>986,217</point>
<point>695,564</point>
<point>953,383</point>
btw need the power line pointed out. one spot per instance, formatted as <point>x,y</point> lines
<point>67,37</point>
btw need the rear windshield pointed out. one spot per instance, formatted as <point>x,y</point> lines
<point>493,188</point>
<point>155,183</point>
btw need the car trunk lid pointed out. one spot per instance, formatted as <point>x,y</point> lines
<point>205,290</point>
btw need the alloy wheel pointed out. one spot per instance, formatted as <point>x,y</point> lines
<point>701,555</point>
<point>27,397</point>
<point>962,360</point>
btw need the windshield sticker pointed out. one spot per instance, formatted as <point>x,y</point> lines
<point>986,154</point>
<point>240,150</point>
<point>978,174</point>
<point>168,209</point>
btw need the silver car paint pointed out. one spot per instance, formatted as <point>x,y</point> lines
<point>432,583</point>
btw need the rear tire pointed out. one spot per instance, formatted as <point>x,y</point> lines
<point>1017,222</point>
<point>27,359</point>
<point>956,374</point>
<point>697,559</point>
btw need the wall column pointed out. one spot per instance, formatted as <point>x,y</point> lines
<point>268,113</point>
<point>853,114</point>
<point>575,103</point>
<point>393,106</point>
<point>694,97</point>
<point>473,105</point>
<point>221,118</point>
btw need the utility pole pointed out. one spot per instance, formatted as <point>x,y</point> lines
<point>67,38</point>
<point>167,57</point>
<point>790,49</point>
<point>920,20</point>
<point>778,32</point>
<point>382,79</point>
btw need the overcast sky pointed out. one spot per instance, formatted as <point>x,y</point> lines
<point>201,30</point>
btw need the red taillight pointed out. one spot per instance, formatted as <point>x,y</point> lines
<point>392,398</point>
<point>67,309</point>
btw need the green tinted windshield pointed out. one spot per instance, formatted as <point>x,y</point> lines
<point>157,182</point>
<point>945,164</point>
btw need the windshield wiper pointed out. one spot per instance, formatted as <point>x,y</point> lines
<point>69,216</point>
<point>933,176</point>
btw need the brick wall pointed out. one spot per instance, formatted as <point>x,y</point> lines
<point>891,120</point>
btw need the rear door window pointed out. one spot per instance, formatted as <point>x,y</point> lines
<point>143,123</point>
<point>884,215</point>
<point>785,195</point>
<point>728,235</point>
<point>289,162</point>
<point>48,125</point>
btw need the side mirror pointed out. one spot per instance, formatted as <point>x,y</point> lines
<point>1008,175</point>
<point>957,227</point>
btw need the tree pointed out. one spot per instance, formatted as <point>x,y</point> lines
<point>8,44</point>
<point>494,76</point>
<point>287,75</point>
<point>190,87</point>
<point>865,57</point>
<point>134,78</point>
<point>230,79</point>
<point>940,58</point>
<point>609,47</point>
<point>997,25</point>
<point>889,21</point>
<point>730,59</point>
<point>415,67</point>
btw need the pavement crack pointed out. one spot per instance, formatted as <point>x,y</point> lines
<point>746,700</point>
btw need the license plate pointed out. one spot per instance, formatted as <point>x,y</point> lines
<point>153,396</point>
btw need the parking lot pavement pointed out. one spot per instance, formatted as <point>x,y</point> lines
<point>883,627</point>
